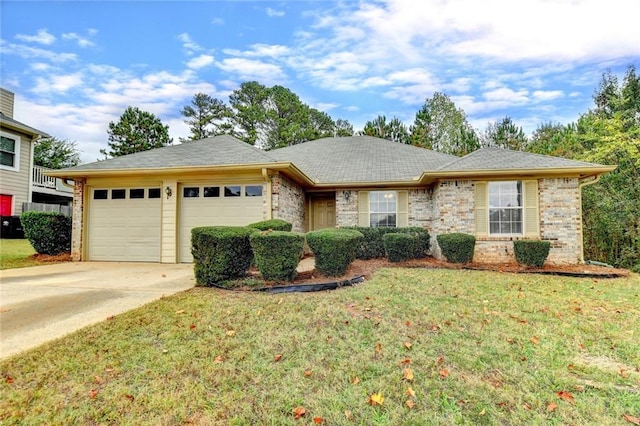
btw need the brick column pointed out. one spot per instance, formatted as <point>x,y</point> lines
<point>77,220</point>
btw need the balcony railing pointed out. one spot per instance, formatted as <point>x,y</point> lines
<point>40,180</point>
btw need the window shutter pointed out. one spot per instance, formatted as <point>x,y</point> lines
<point>363,208</point>
<point>481,209</point>
<point>402,217</point>
<point>531,215</point>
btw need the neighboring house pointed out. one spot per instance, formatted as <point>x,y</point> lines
<point>142,207</point>
<point>20,181</point>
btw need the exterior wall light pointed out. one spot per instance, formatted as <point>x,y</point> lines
<point>168,191</point>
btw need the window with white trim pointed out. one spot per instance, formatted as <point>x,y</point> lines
<point>506,208</point>
<point>9,151</point>
<point>383,209</point>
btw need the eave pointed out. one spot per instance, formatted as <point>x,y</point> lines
<point>286,167</point>
<point>581,172</point>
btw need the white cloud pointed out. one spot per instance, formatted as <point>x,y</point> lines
<point>41,37</point>
<point>217,21</point>
<point>504,94</point>
<point>200,61</point>
<point>247,69</point>
<point>58,83</point>
<point>274,13</point>
<point>29,52</point>
<point>547,95</point>
<point>82,41</point>
<point>188,44</point>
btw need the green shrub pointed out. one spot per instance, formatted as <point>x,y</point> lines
<point>399,246</point>
<point>272,224</point>
<point>48,232</point>
<point>531,252</point>
<point>221,253</point>
<point>334,249</point>
<point>457,247</point>
<point>277,253</point>
<point>373,246</point>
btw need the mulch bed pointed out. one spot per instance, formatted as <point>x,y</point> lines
<point>366,268</point>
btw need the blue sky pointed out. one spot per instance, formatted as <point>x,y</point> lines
<point>75,66</point>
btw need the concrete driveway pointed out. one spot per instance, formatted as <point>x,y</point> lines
<point>43,303</point>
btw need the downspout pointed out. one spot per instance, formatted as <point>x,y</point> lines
<point>269,195</point>
<point>581,184</point>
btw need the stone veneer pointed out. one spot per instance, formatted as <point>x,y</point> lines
<point>347,208</point>
<point>453,204</point>
<point>560,206</point>
<point>77,220</point>
<point>287,201</point>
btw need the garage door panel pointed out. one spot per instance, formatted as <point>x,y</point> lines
<point>214,211</point>
<point>125,229</point>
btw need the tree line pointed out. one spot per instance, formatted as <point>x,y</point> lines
<point>274,117</point>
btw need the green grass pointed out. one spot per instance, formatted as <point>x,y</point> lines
<point>485,348</point>
<point>16,254</point>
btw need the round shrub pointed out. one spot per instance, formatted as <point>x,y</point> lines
<point>531,252</point>
<point>221,253</point>
<point>372,245</point>
<point>334,249</point>
<point>457,247</point>
<point>272,224</point>
<point>422,240</point>
<point>277,253</point>
<point>399,246</point>
<point>48,232</point>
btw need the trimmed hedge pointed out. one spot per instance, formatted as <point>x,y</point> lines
<point>277,253</point>
<point>399,246</point>
<point>373,246</point>
<point>334,249</point>
<point>48,232</point>
<point>457,247</point>
<point>272,224</point>
<point>221,253</point>
<point>531,252</point>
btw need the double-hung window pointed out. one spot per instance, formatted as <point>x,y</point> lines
<point>383,208</point>
<point>9,152</point>
<point>506,208</point>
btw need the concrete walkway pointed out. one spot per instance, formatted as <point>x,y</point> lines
<point>43,303</point>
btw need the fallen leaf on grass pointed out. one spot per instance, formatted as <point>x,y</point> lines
<point>318,420</point>
<point>9,379</point>
<point>93,393</point>
<point>98,379</point>
<point>407,345</point>
<point>299,412</point>
<point>231,333</point>
<point>129,397</point>
<point>192,326</point>
<point>376,399</point>
<point>535,340</point>
<point>631,419</point>
<point>218,359</point>
<point>527,406</point>
<point>379,348</point>
<point>405,361</point>
<point>444,373</point>
<point>407,374</point>
<point>181,311</point>
<point>277,357</point>
<point>307,373</point>
<point>349,415</point>
<point>552,407</point>
<point>355,380</point>
<point>566,396</point>
<point>409,403</point>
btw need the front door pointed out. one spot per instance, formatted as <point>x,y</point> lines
<point>324,213</point>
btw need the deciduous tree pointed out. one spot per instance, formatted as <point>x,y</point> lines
<point>55,153</point>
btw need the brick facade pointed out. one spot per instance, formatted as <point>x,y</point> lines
<point>287,201</point>
<point>561,219</point>
<point>77,220</point>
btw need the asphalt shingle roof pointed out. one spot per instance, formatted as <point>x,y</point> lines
<point>504,159</point>
<point>216,151</point>
<point>360,159</point>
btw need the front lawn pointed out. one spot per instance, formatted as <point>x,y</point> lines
<point>16,254</point>
<point>408,346</point>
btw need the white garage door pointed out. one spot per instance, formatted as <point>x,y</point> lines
<point>124,224</point>
<point>215,205</point>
